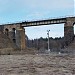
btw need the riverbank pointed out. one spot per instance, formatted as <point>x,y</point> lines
<point>37,64</point>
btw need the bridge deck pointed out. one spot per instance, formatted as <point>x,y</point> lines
<point>44,22</point>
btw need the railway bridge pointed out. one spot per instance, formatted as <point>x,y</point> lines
<point>16,31</point>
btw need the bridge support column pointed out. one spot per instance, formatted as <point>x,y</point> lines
<point>20,38</point>
<point>68,31</point>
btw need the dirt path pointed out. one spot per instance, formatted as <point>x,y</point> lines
<point>37,65</point>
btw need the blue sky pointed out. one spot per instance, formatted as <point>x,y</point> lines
<point>27,10</point>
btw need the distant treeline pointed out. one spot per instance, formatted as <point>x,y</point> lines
<point>55,44</point>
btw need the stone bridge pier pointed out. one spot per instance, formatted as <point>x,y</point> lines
<point>69,31</point>
<point>16,34</point>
